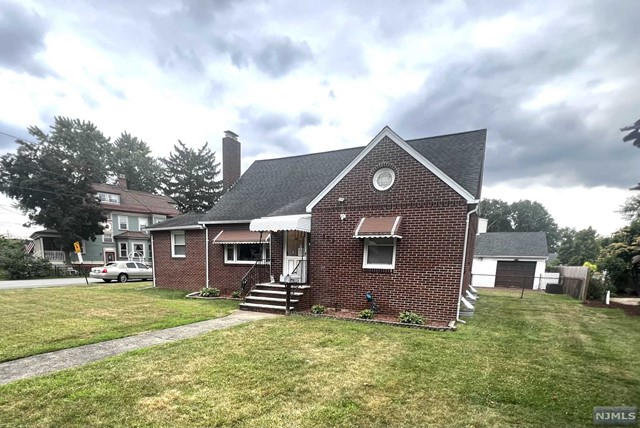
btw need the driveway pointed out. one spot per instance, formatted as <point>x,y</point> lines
<point>40,283</point>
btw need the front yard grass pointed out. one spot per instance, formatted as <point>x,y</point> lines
<point>543,361</point>
<point>33,321</point>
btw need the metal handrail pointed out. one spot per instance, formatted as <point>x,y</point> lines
<point>253,275</point>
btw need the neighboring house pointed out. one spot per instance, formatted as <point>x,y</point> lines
<point>396,218</point>
<point>509,259</point>
<point>129,213</point>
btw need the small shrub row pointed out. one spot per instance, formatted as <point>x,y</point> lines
<point>317,309</point>
<point>408,317</point>
<point>209,292</point>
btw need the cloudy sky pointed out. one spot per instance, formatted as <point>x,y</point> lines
<point>551,81</point>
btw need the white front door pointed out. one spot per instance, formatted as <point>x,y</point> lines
<point>295,255</point>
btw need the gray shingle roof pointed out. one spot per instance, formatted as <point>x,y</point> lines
<point>516,244</point>
<point>285,186</point>
<point>189,219</point>
<point>137,201</point>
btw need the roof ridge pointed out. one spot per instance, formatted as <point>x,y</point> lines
<point>447,135</point>
<point>310,154</point>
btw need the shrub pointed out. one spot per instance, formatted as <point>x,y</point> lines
<point>317,309</point>
<point>598,287</point>
<point>408,317</point>
<point>367,314</point>
<point>209,292</point>
<point>236,294</point>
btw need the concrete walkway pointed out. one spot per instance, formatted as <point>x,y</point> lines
<point>41,283</point>
<point>51,362</point>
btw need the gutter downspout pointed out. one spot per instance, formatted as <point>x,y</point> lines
<point>153,261</point>
<point>464,261</point>
<point>206,254</point>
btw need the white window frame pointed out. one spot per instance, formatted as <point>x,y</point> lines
<point>126,249</point>
<point>367,265</point>
<point>235,260</point>
<point>107,241</point>
<point>140,221</point>
<point>158,218</point>
<point>144,248</point>
<point>126,218</point>
<point>109,198</point>
<point>173,243</point>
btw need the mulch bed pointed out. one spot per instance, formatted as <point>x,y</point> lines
<point>379,319</point>
<point>632,311</point>
<point>197,295</point>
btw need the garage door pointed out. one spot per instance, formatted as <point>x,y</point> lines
<point>515,274</point>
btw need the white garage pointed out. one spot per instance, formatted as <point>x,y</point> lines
<point>509,259</point>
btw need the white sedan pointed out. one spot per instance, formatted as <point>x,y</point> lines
<point>122,271</point>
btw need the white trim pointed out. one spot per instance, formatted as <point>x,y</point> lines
<point>206,256</point>
<point>119,253</point>
<point>366,265</point>
<point>153,262</point>
<point>359,226</point>
<point>387,132</point>
<point>377,174</point>
<point>192,227</point>
<point>392,234</point>
<point>120,217</point>
<point>225,222</point>
<point>146,219</point>
<point>395,225</point>
<point>144,248</point>
<point>173,254</point>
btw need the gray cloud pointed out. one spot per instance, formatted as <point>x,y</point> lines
<point>22,33</point>
<point>179,58</point>
<point>309,119</point>
<point>561,144</point>
<point>263,130</point>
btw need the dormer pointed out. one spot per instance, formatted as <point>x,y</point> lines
<point>109,198</point>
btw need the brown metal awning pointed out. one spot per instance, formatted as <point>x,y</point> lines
<point>241,237</point>
<point>378,227</point>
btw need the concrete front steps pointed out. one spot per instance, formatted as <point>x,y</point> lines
<point>268,297</point>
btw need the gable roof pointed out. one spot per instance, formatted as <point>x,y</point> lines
<point>427,163</point>
<point>287,186</point>
<point>516,244</point>
<point>136,201</point>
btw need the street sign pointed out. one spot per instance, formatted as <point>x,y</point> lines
<point>76,245</point>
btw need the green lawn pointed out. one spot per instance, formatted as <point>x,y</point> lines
<point>39,320</point>
<point>544,361</point>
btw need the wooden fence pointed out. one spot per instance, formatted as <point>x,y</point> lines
<point>575,280</point>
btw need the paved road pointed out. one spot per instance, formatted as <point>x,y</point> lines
<point>52,362</point>
<point>40,283</point>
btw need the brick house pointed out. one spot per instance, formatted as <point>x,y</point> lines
<point>395,218</point>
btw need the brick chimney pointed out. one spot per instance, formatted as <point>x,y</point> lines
<point>230,160</point>
<point>122,181</point>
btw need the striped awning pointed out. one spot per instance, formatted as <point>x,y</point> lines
<point>241,237</point>
<point>284,222</point>
<point>378,227</point>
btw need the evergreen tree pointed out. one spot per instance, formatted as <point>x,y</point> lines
<point>578,247</point>
<point>132,158</point>
<point>51,178</point>
<point>190,178</point>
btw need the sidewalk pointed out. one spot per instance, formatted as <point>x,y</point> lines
<point>52,362</point>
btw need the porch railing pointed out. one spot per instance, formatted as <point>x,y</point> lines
<point>54,256</point>
<point>257,273</point>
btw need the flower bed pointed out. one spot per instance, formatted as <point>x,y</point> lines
<point>196,295</point>
<point>379,319</point>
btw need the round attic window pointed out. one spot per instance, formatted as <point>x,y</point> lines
<point>384,178</point>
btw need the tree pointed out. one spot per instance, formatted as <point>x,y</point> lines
<point>190,178</point>
<point>17,264</point>
<point>578,247</point>
<point>51,178</point>
<point>617,252</point>
<point>498,215</point>
<point>521,216</point>
<point>634,135</point>
<point>132,158</point>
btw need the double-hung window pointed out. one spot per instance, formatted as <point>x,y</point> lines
<point>379,253</point>
<point>143,222</point>
<point>124,222</point>
<point>124,250</point>
<point>178,244</point>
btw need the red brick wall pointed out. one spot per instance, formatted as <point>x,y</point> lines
<point>426,278</point>
<point>181,273</point>
<point>226,276</point>
<point>231,159</point>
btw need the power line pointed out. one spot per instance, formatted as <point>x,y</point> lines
<point>17,138</point>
